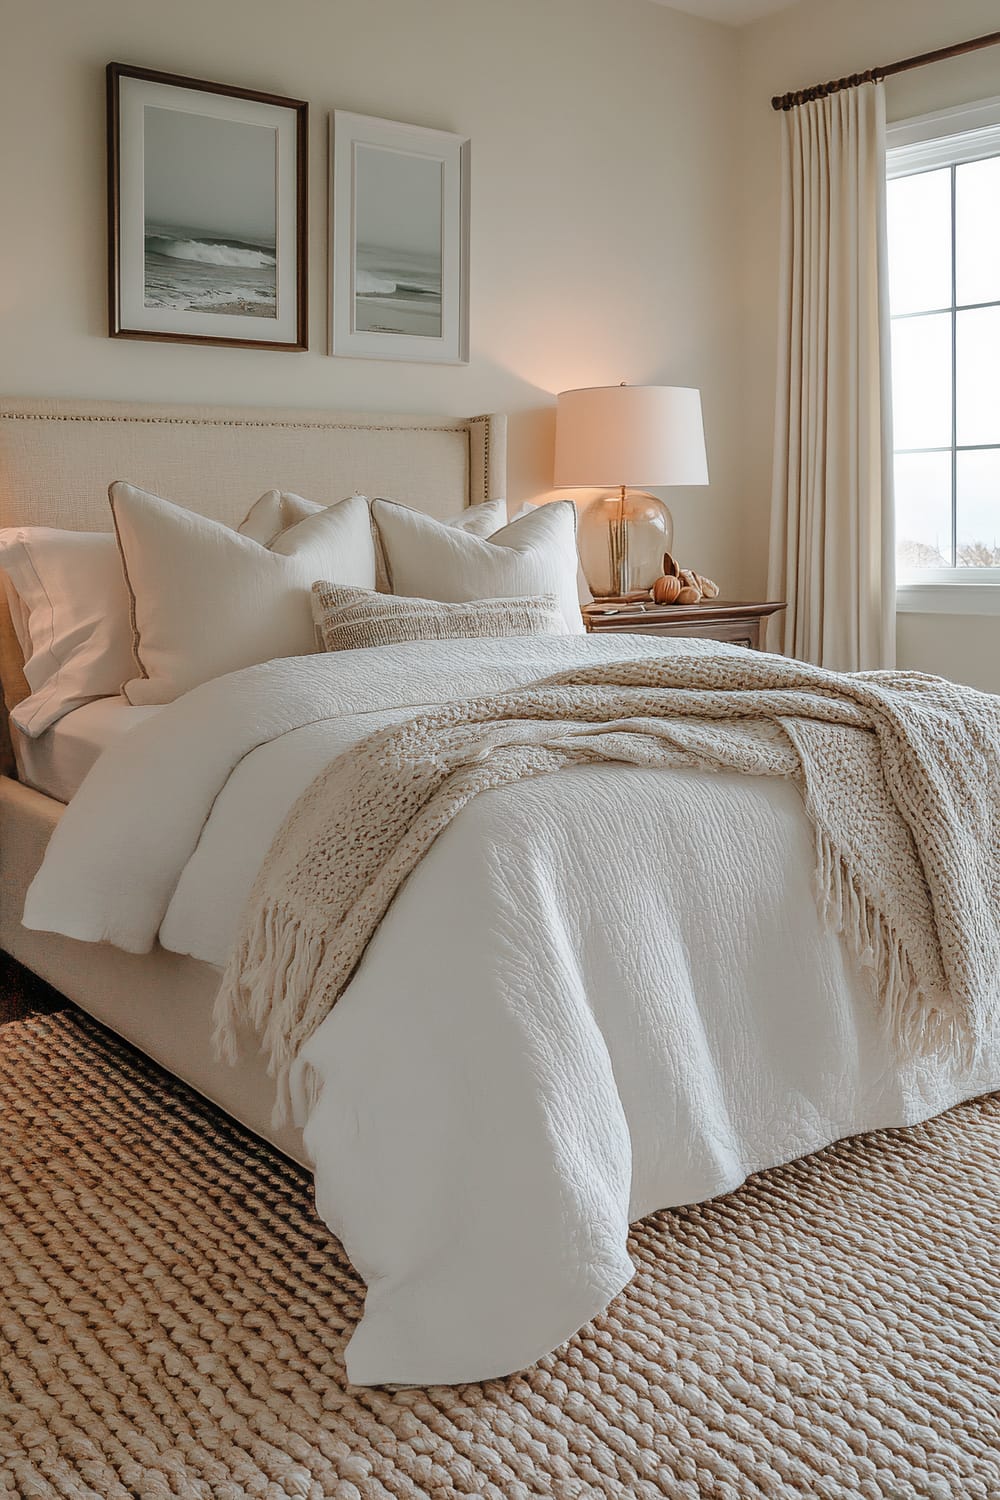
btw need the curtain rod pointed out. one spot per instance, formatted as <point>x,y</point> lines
<point>876,74</point>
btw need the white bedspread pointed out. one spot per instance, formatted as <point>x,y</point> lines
<point>603,992</point>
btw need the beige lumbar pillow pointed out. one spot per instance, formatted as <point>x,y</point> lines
<point>357,619</point>
<point>427,559</point>
<point>206,600</point>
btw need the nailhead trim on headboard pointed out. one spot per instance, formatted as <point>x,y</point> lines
<point>485,421</point>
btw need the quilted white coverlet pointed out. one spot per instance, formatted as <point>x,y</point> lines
<point>602,992</point>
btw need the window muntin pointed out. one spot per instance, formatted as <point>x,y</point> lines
<point>944,293</point>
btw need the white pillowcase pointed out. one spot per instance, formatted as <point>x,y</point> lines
<point>71,614</point>
<point>534,555</point>
<point>206,600</point>
<point>583,592</point>
<point>277,510</point>
<point>480,520</point>
<point>274,512</point>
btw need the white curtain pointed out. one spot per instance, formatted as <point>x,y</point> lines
<point>832,542</point>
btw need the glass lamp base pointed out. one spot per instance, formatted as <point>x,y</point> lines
<point>622,538</point>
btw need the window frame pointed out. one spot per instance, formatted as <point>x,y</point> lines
<point>946,138</point>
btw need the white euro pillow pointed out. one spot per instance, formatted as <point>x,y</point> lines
<point>274,512</point>
<point>428,559</point>
<point>70,610</point>
<point>481,520</point>
<point>277,510</point>
<point>206,600</point>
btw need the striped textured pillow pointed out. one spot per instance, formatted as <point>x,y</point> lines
<point>350,619</point>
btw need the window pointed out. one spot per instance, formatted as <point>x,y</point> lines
<point>944,298</point>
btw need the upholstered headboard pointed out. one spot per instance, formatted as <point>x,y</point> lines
<point>57,459</point>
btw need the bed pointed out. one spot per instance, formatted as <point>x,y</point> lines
<point>572,1013</point>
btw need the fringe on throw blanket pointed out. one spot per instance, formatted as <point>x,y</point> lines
<point>279,960</point>
<point>900,776</point>
<point>915,1018</point>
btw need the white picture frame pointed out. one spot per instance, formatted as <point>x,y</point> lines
<point>399,241</point>
<point>207,212</point>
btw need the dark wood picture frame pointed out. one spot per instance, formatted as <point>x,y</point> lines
<point>117,327</point>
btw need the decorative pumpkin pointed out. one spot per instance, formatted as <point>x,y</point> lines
<point>682,585</point>
<point>667,589</point>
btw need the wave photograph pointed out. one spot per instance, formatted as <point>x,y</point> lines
<point>197,271</point>
<point>397,248</point>
<point>210,214</point>
<point>397,291</point>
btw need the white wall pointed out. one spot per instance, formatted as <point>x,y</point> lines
<point>625,203</point>
<point>813,41</point>
<point>603,244</point>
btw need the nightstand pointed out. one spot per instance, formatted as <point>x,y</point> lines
<point>714,619</point>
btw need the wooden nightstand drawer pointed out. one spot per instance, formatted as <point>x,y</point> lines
<point>738,623</point>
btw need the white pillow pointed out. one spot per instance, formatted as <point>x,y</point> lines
<point>206,600</point>
<point>274,512</point>
<point>277,510</point>
<point>583,592</point>
<point>535,555</point>
<point>481,520</point>
<point>70,610</point>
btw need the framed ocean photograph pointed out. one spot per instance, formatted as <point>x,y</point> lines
<point>399,241</point>
<point>207,219</point>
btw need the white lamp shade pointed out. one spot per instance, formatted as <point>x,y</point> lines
<point>610,435</point>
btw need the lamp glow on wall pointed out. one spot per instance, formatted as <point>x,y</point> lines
<point>617,437</point>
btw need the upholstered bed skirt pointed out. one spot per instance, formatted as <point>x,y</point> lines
<point>160,1002</point>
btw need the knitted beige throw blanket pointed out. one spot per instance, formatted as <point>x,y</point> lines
<point>899,772</point>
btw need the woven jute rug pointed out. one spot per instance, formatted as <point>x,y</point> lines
<point>173,1318</point>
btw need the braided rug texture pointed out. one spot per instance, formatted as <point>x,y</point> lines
<point>173,1318</point>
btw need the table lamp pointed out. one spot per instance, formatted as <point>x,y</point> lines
<point>619,436</point>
